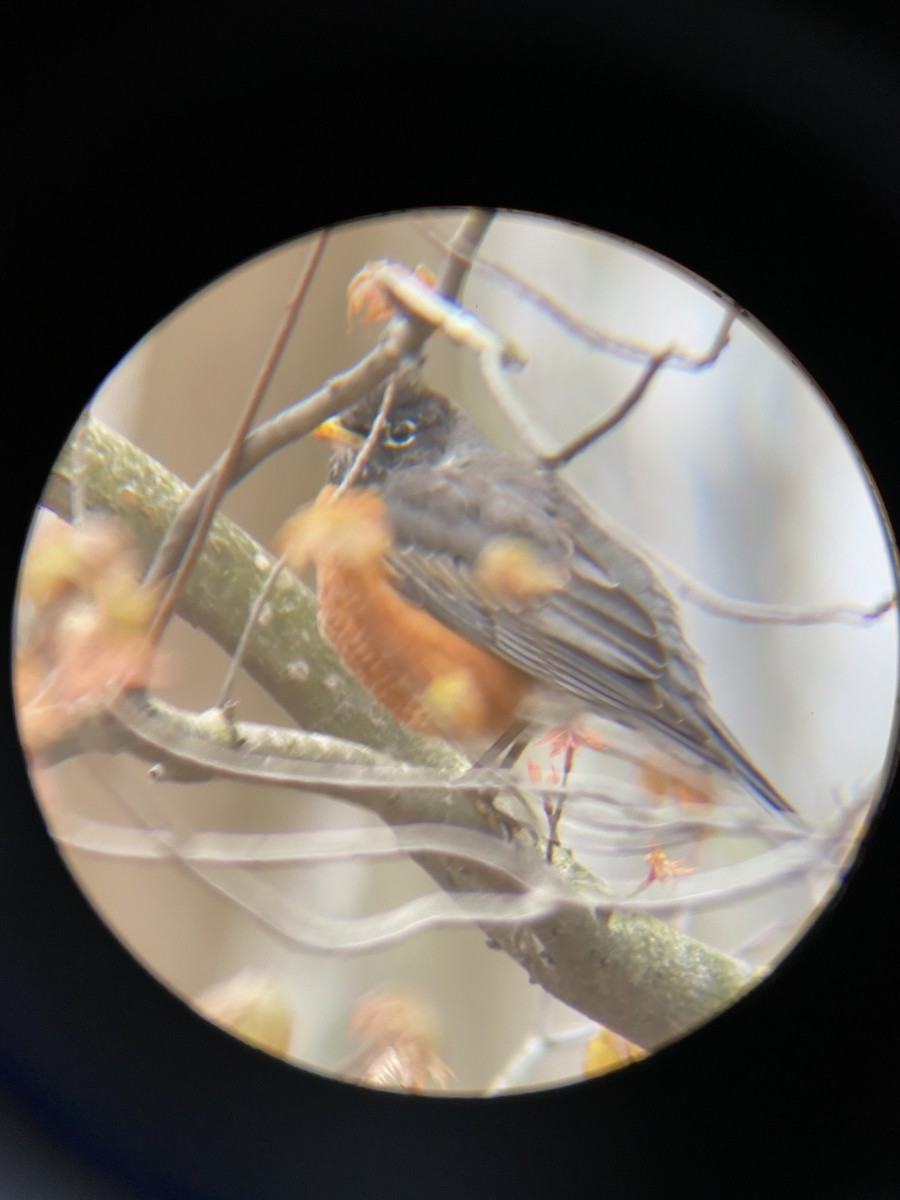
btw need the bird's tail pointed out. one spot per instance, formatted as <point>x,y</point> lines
<point>734,758</point>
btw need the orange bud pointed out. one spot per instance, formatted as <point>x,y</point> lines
<point>512,571</point>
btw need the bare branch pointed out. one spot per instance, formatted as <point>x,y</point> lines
<point>253,616</point>
<point>520,1066</point>
<point>748,611</point>
<point>565,455</point>
<point>224,470</point>
<point>584,331</point>
<point>753,612</point>
<point>372,440</point>
<point>403,337</point>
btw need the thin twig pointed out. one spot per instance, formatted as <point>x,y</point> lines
<point>753,612</point>
<point>551,462</point>
<point>225,468</point>
<point>748,611</point>
<point>719,342</point>
<point>529,1054</point>
<point>249,625</point>
<point>373,438</point>
<point>586,332</point>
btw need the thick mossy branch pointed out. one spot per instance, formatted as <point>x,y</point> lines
<point>629,971</point>
<point>285,652</point>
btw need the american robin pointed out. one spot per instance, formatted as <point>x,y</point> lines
<point>478,589</point>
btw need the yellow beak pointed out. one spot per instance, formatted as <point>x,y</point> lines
<point>333,430</point>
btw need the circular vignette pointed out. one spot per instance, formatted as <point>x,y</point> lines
<point>709,824</point>
<point>764,244</point>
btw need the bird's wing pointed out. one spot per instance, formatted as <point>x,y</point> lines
<point>609,635</point>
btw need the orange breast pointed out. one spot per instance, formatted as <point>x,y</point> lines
<point>429,677</point>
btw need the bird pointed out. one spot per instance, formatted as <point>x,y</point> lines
<point>469,589</point>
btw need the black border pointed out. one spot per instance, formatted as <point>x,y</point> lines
<point>158,147</point>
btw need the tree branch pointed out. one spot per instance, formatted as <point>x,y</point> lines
<point>629,971</point>
<point>285,654</point>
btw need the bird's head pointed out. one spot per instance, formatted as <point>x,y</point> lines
<point>418,429</point>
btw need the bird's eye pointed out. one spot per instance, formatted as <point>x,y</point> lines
<point>400,434</point>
